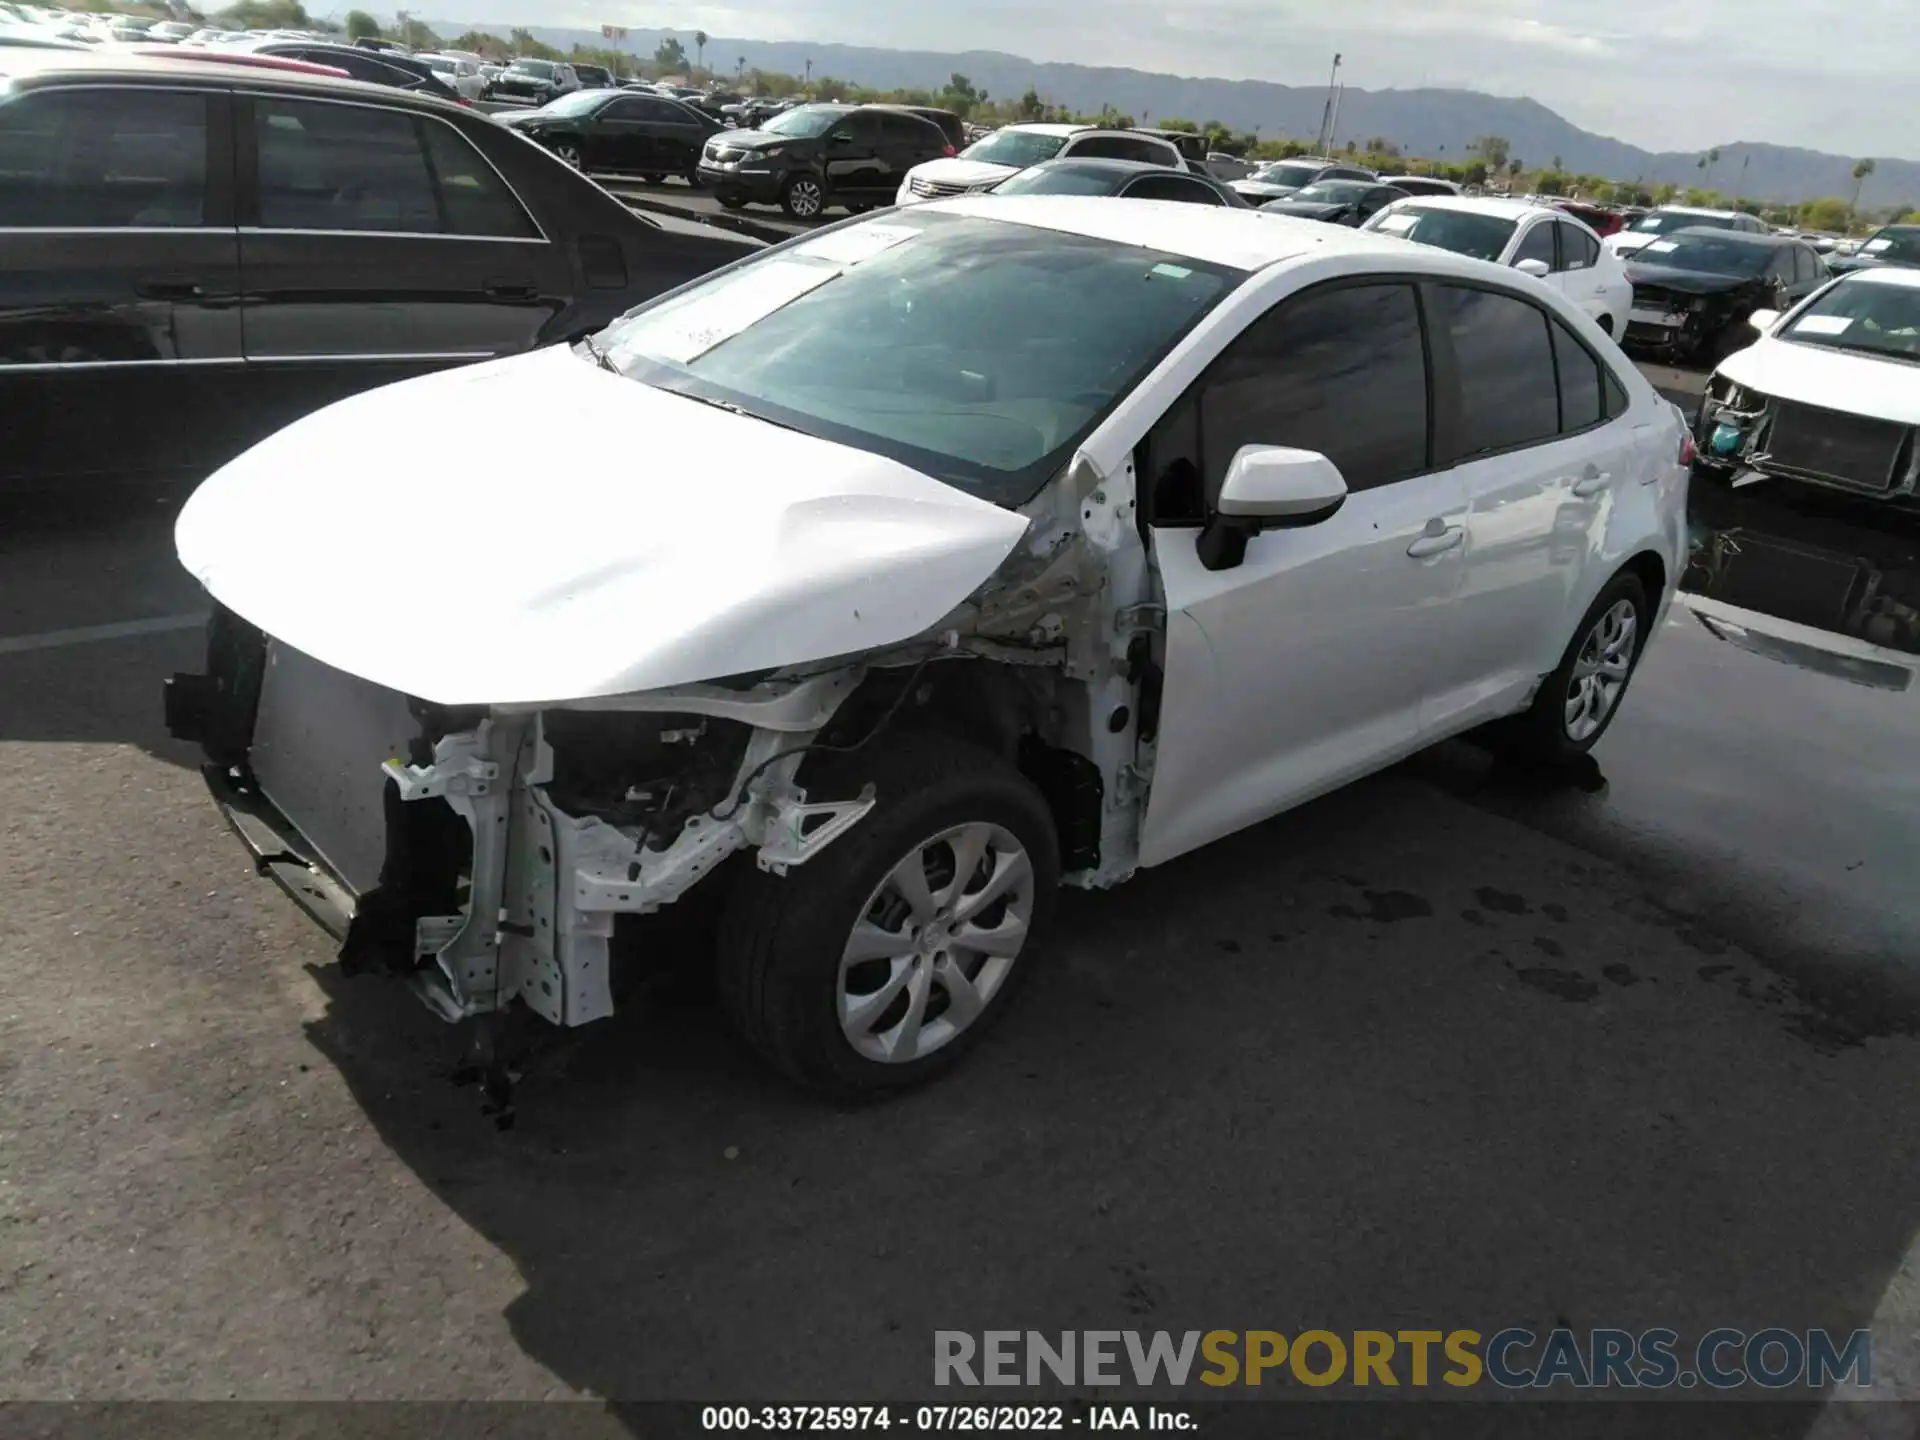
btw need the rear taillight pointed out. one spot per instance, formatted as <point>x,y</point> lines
<point>1687,451</point>
<point>950,152</point>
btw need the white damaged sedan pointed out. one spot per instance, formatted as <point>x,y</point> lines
<point>1008,543</point>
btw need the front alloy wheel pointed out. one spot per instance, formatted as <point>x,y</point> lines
<point>1576,703</point>
<point>803,198</point>
<point>879,962</point>
<point>569,152</point>
<point>935,943</point>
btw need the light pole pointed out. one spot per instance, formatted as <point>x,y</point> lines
<point>1326,112</point>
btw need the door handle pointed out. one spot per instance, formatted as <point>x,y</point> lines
<point>169,290</point>
<point>1438,538</point>
<point>509,290</point>
<point>1592,483</point>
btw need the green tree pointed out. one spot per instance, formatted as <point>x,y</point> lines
<point>700,48</point>
<point>1494,150</point>
<point>266,15</point>
<point>1861,170</point>
<point>524,44</point>
<point>1032,107</point>
<point>671,56</point>
<point>1174,122</point>
<point>362,26</point>
<point>480,42</point>
<point>416,35</point>
<point>1832,214</point>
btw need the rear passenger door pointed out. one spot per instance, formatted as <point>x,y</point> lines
<point>1575,273</point>
<point>120,343</point>
<point>1528,416</point>
<point>905,141</point>
<point>376,243</point>
<point>853,154</point>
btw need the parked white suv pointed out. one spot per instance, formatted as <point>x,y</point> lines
<point>1011,148</point>
<point>1005,583</point>
<point>460,73</point>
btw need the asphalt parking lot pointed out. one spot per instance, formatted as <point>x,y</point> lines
<point>1633,1046</point>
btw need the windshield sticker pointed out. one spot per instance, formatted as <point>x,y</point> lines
<point>861,242</point>
<point>1874,247</point>
<point>1824,325</point>
<point>1398,224</point>
<point>1661,247</point>
<point>1172,272</point>
<point>685,332</point>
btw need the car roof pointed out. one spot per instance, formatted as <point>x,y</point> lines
<point>1494,205</point>
<point>1739,237</point>
<point>1046,127</point>
<point>1101,164</point>
<point>1242,239</point>
<point>1884,275</point>
<point>37,65</point>
<point>1691,210</point>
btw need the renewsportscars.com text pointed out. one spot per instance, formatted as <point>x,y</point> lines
<point>1510,1359</point>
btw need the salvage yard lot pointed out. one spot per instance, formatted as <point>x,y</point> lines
<point>1632,1047</point>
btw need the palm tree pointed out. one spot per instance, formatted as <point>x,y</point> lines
<point>739,66</point>
<point>699,49</point>
<point>1860,173</point>
<point>1707,162</point>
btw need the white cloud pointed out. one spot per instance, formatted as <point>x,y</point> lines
<point>1665,74</point>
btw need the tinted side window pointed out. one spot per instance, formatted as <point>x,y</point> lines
<point>1505,363</point>
<point>862,125</point>
<point>1578,249</point>
<point>1579,374</point>
<point>341,167</point>
<point>474,200</point>
<point>1537,244</point>
<point>1172,187</point>
<point>1338,173</point>
<point>1341,371</point>
<point>1119,147</point>
<point>90,158</point>
<point>911,131</point>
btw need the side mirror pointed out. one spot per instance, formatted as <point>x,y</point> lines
<point>1539,269</point>
<point>1269,487</point>
<point>1764,320</point>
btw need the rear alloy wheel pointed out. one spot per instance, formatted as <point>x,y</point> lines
<point>879,963</point>
<point>803,197</point>
<point>569,152</point>
<point>1577,702</point>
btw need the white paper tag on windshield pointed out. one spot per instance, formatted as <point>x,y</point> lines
<point>1823,325</point>
<point>856,243</point>
<point>1396,224</point>
<point>1874,247</point>
<point>1659,247</point>
<point>687,331</point>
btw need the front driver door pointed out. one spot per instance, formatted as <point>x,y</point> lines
<point>1307,664</point>
<point>853,154</point>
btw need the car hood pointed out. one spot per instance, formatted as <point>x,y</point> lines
<point>1688,282</point>
<point>1307,209</point>
<point>1625,242</point>
<point>1831,379</point>
<point>1262,190</point>
<point>495,568</point>
<point>953,170</point>
<point>757,139</point>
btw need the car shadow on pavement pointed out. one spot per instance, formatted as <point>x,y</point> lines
<point>1388,1062</point>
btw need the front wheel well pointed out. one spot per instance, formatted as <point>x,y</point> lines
<point>1651,571</point>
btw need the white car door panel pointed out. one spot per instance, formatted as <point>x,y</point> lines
<point>1308,661</point>
<point>1540,467</point>
<point>1305,666</point>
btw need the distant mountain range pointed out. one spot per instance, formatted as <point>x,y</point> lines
<point>1430,123</point>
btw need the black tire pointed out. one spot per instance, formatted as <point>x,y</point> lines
<point>654,179</point>
<point>853,209</point>
<point>692,177</point>
<point>782,938</point>
<point>1540,733</point>
<point>732,202</point>
<point>804,196</point>
<point>1606,324</point>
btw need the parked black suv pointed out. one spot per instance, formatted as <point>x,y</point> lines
<point>380,234</point>
<point>375,67</point>
<point>820,155</point>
